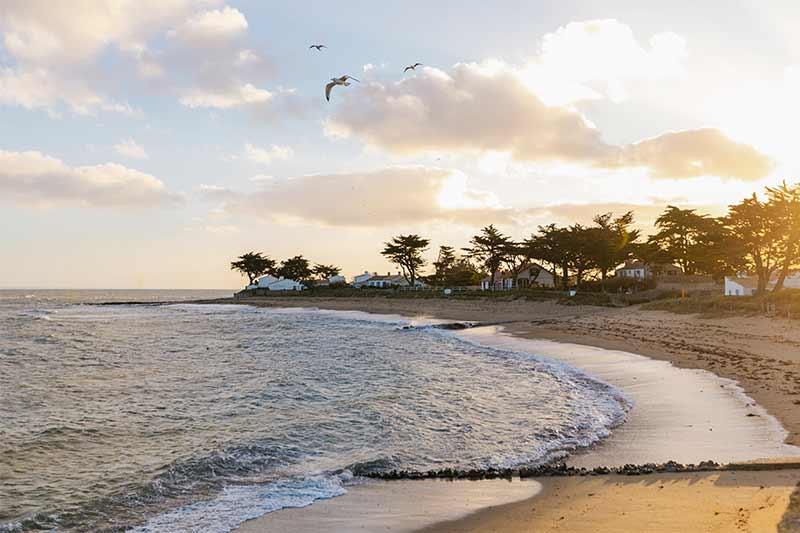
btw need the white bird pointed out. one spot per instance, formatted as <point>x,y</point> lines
<point>319,47</point>
<point>412,67</point>
<point>337,81</point>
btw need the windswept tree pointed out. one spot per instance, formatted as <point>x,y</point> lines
<point>552,245</point>
<point>612,242</point>
<point>514,258</point>
<point>489,248</point>
<point>406,252</point>
<point>326,271</point>
<point>754,224</point>
<point>253,265</point>
<point>683,235</point>
<point>444,263</point>
<point>784,201</point>
<point>296,268</point>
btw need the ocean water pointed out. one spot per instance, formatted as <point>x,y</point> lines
<point>187,417</point>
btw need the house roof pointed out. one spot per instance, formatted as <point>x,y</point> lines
<point>633,265</point>
<point>507,274</point>
<point>386,278</point>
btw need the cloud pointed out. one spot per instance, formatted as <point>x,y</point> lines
<point>384,197</point>
<point>595,59</point>
<point>56,50</point>
<point>693,153</point>
<point>132,149</point>
<point>487,107</point>
<point>267,155</point>
<point>473,107</point>
<point>39,88</point>
<point>212,26</point>
<point>35,179</point>
<point>226,98</point>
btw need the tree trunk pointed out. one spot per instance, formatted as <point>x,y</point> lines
<point>494,274</point>
<point>565,276</point>
<point>782,276</point>
<point>603,280</point>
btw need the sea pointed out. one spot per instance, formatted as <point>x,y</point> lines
<point>175,416</point>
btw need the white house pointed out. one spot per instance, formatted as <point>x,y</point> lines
<point>265,281</point>
<point>336,280</point>
<point>286,285</point>
<point>391,280</point>
<point>360,280</point>
<point>744,286</point>
<point>530,275</point>
<point>640,270</point>
<point>633,269</point>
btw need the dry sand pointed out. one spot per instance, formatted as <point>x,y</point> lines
<point>761,354</point>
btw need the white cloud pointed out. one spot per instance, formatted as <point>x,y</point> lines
<point>599,59</point>
<point>212,26</point>
<point>35,179</point>
<point>132,149</point>
<point>485,108</point>
<point>226,98</point>
<point>384,197</point>
<point>38,88</point>
<point>267,155</point>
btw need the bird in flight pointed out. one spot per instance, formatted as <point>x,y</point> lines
<point>342,80</point>
<point>412,67</point>
<point>319,47</point>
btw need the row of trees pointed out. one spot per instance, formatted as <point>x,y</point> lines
<point>255,264</point>
<point>760,236</point>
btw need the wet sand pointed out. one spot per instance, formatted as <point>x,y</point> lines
<point>762,355</point>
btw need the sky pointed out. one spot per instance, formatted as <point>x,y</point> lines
<point>147,143</point>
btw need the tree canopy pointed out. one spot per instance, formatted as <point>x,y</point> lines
<point>253,265</point>
<point>490,248</point>
<point>296,268</point>
<point>406,252</point>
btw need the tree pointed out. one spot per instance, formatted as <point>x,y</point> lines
<point>489,248</point>
<point>326,271</point>
<point>611,242</point>
<point>253,265</point>
<point>406,252</point>
<point>755,224</point>
<point>297,268</point>
<point>785,206</point>
<point>444,264</point>
<point>683,235</point>
<point>514,257</point>
<point>547,246</point>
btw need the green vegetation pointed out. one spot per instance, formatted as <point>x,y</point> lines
<point>760,236</point>
<point>781,304</point>
<point>406,252</point>
<point>253,265</point>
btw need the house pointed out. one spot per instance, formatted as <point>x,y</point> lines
<point>333,280</point>
<point>360,280</point>
<point>391,280</point>
<point>265,281</point>
<point>633,269</point>
<point>741,286</point>
<point>529,275</point>
<point>286,285</point>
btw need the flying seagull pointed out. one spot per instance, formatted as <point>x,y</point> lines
<point>412,67</point>
<point>337,81</point>
<point>319,47</point>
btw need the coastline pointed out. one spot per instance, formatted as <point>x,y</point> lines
<point>691,494</point>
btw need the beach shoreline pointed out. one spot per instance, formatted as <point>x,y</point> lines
<point>544,320</point>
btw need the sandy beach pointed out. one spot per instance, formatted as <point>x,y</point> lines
<point>762,355</point>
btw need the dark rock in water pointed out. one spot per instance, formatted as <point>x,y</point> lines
<point>550,470</point>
